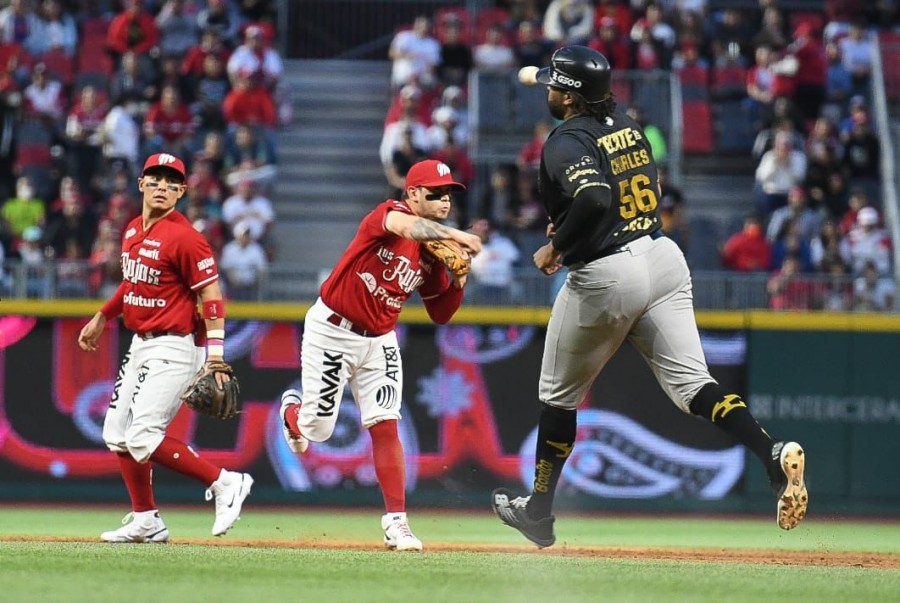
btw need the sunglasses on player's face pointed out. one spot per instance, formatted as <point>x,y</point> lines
<point>436,194</point>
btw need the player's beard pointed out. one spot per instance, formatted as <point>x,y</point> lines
<point>556,106</point>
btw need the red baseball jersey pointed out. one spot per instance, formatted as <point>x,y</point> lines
<point>379,271</point>
<point>163,268</point>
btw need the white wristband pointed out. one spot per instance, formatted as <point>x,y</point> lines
<point>215,334</point>
<point>215,350</point>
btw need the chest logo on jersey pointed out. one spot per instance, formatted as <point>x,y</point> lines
<point>152,254</point>
<point>135,271</point>
<point>130,233</point>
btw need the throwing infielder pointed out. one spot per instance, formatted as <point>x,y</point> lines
<point>166,266</point>
<point>349,332</point>
<point>626,281</point>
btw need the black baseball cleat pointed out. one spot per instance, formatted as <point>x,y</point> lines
<point>786,476</point>
<point>512,512</point>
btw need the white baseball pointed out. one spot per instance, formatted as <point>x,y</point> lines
<point>528,75</point>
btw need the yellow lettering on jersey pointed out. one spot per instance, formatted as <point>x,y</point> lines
<point>619,140</point>
<point>629,161</point>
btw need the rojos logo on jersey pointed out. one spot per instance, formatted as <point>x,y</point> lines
<point>565,80</point>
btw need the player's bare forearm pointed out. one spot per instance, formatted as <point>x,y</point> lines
<point>423,229</point>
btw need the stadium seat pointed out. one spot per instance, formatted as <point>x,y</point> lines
<point>488,17</point>
<point>729,81</point>
<point>890,53</point>
<point>60,66</point>
<point>32,155</point>
<point>492,96</point>
<point>734,132</point>
<point>698,127</point>
<point>694,82</point>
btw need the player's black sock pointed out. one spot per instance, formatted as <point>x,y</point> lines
<point>556,437</point>
<point>729,412</point>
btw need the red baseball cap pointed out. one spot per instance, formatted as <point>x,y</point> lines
<point>431,173</point>
<point>164,160</point>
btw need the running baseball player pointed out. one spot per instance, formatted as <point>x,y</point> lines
<point>349,332</point>
<point>598,183</point>
<point>166,266</point>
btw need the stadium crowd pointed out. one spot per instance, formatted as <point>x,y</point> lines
<point>91,86</point>
<point>88,88</point>
<point>803,81</point>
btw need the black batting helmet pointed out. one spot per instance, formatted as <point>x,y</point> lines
<point>579,69</point>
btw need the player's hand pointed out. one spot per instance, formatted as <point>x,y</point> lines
<point>90,333</point>
<point>546,258</point>
<point>470,242</point>
<point>221,378</point>
<point>551,230</point>
<point>459,281</point>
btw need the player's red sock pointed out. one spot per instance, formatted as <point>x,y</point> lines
<point>389,466</point>
<point>180,457</point>
<point>139,482</point>
<point>291,417</point>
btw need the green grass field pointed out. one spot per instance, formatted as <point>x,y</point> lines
<point>52,554</point>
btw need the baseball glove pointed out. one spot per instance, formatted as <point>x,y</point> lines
<point>206,397</point>
<point>451,254</point>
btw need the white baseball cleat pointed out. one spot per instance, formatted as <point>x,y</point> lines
<point>230,490</point>
<point>397,534</point>
<point>145,526</point>
<point>290,406</point>
<point>789,464</point>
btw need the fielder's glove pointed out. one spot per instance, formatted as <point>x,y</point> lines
<point>451,254</point>
<point>205,396</point>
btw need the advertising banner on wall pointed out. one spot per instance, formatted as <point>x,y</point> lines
<point>470,413</point>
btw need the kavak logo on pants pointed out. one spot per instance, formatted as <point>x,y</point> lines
<point>331,378</point>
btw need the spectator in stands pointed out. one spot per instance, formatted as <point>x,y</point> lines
<point>222,16</point>
<point>415,54</point>
<point>169,74</point>
<point>862,152</point>
<point>662,36</point>
<point>807,65</point>
<point>531,48</point>
<point>245,150</point>
<point>120,135</point>
<point>856,200</point>
<point>18,23</point>
<point>37,268</point>
<point>779,170</point>
<point>243,264</point>
<point>214,150</point>
<point>772,31</point>
<point>837,295</point>
<point>529,159</point>
<point>210,44</point>
<point>54,29</point>
<point>455,156</point>
<point>177,29</point>
<point>456,55</point>
<point>405,156</point>
<point>867,243</point>
<point>83,138</point>
<point>205,187</point>
<point>71,230</point>
<point>22,211</point>
<point>169,124</point>
<point>611,43</point>
<point>500,201</point>
<point>654,135</point>
<point>493,269</point>
<point>856,53</point>
<point>747,250</point>
<point>446,126</point>
<point>201,218</point>
<point>212,89</point>
<point>731,31</point>
<point>393,132</point>
<point>250,207</point>
<point>791,244</point>
<point>494,55</point>
<point>132,29</point>
<point>839,83</point>
<point>133,87</point>
<point>788,290</point>
<point>105,261</point>
<point>825,247</point>
<point>873,292</point>
<point>568,22</point>
<point>455,98</point>
<point>45,100</point>
<point>249,104</point>
<point>263,64</point>
<point>761,88</point>
<point>833,197</point>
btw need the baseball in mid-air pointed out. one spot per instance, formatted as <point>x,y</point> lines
<point>528,75</point>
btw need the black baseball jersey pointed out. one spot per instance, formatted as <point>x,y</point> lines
<point>584,152</point>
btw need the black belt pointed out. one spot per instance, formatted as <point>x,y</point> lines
<point>657,234</point>
<point>339,321</point>
<point>155,334</point>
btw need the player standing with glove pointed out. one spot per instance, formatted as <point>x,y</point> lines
<point>166,266</point>
<point>349,335</point>
<point>599,185</point>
